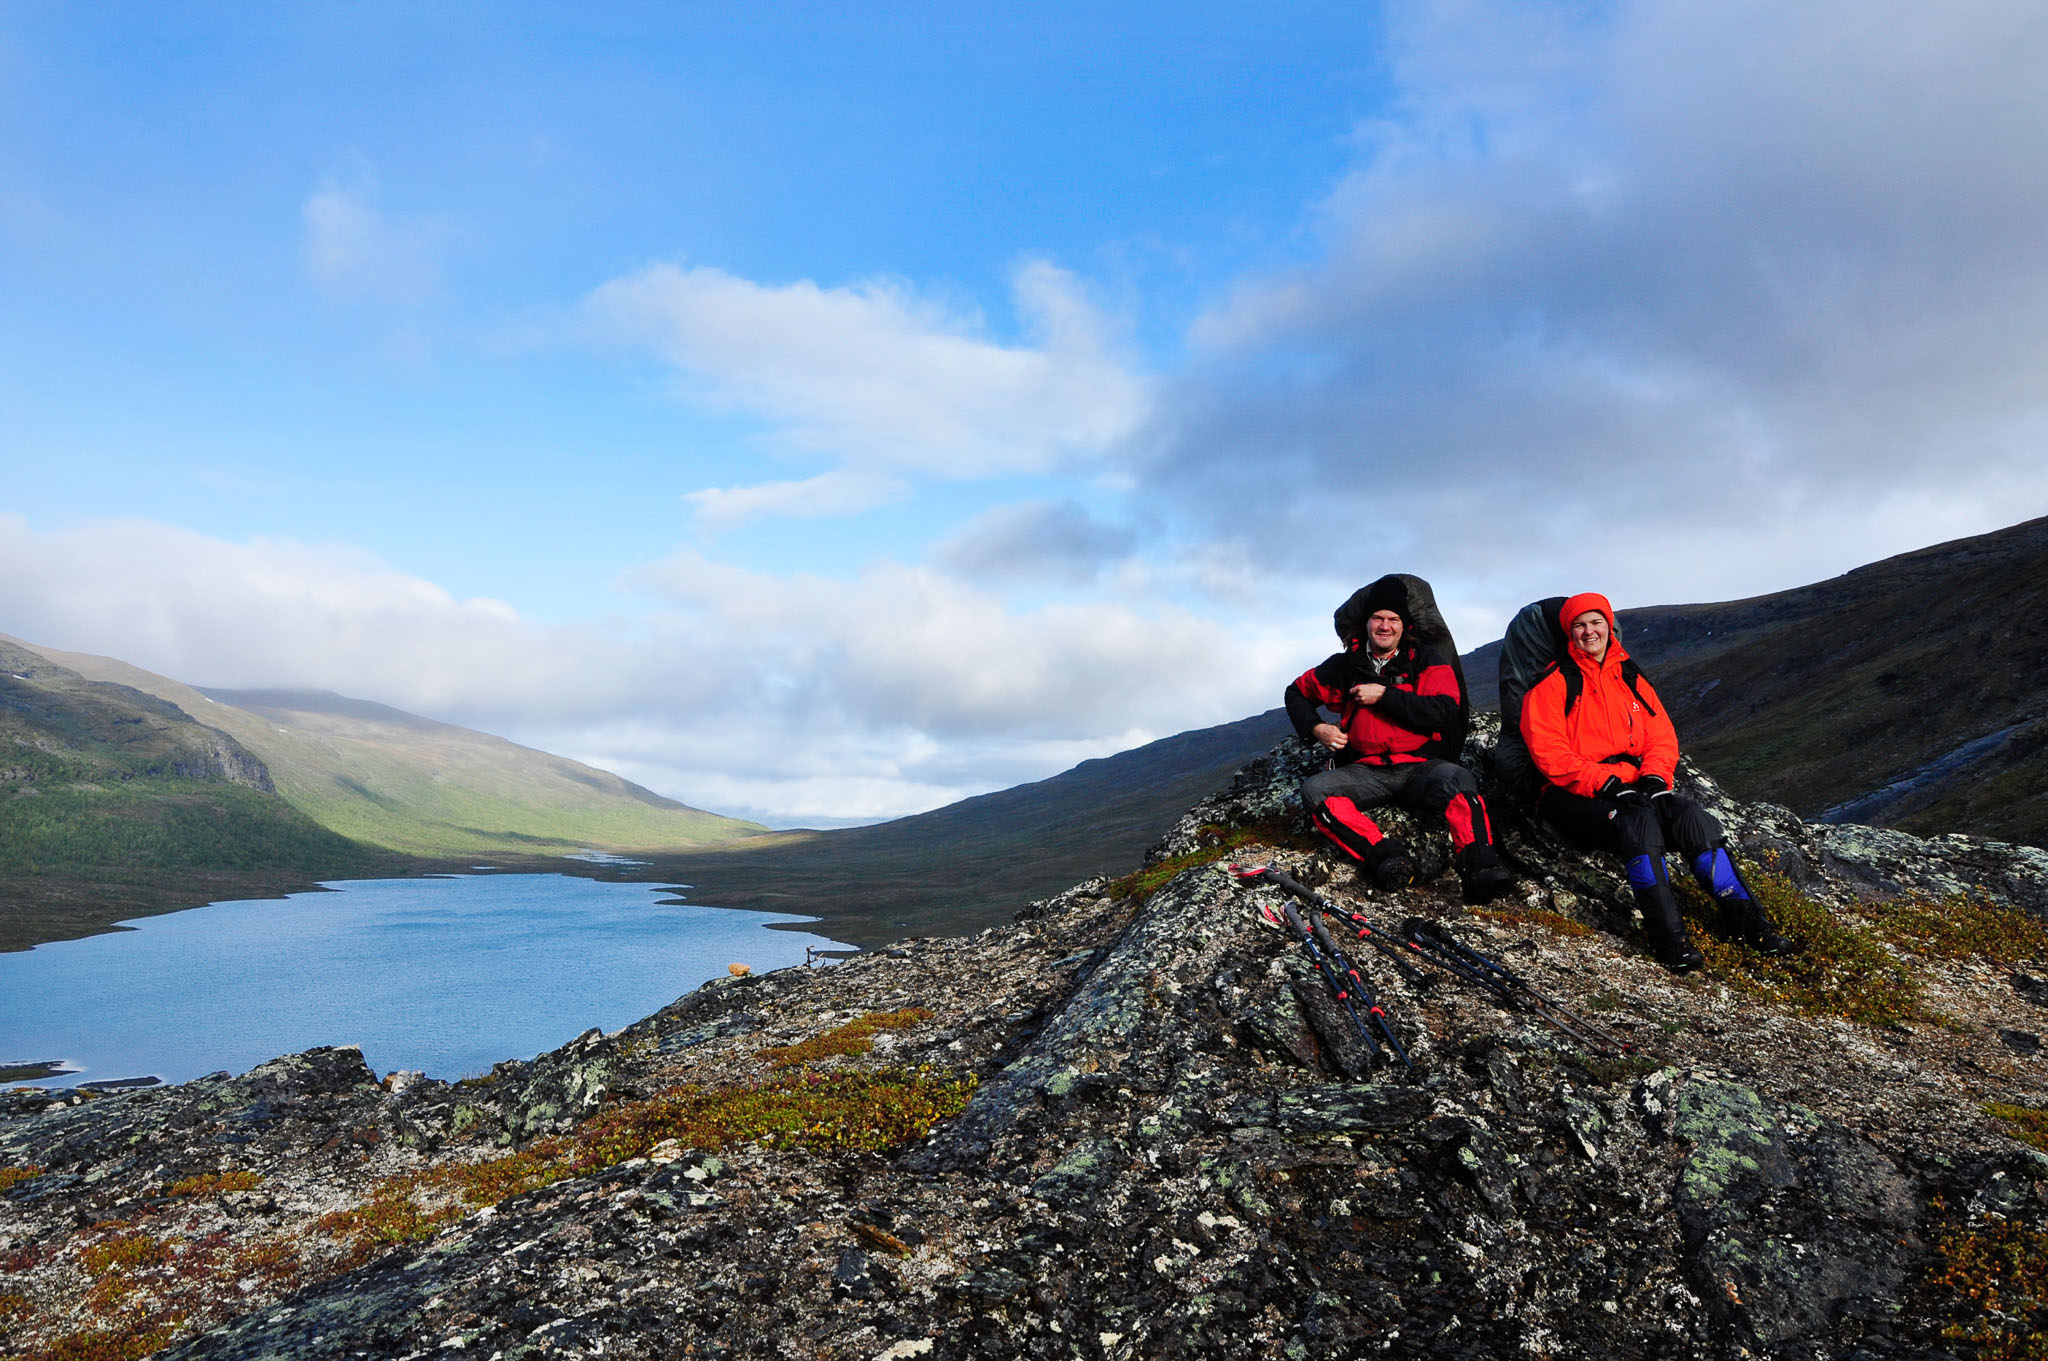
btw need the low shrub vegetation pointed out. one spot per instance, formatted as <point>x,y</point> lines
<point>818,1112</point>
<point>125,1250</point>
<point>1555,922</point>
<point>1962,927</point>
<point>23,1258</point>
<point>1216,843</point>
<point>215,1183</point>
<point>2024,1123</point>
<point>125,1341</point>
<point>855,1037</point>
<point>1996,1281</point>
<point>11,1177</point>
<point>389,1217</point>
<point>1842,968</point>
<point>1607,1071</point>
<point>276,1262</point>
<point>144,1292</point>
<point>800,1110</point>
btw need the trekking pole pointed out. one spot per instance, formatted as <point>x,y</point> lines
<point>1367,932</point>
<point>1321,933</point>
<point>1362,989</point>
<point>1508,995</point>
<point>1437,943</point>
<point>1437,948</point>
<point>1297,928</point>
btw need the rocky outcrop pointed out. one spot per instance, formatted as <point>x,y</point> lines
<point>1842,861</point>
<point>1175,1148</point>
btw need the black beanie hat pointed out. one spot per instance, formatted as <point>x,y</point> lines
<point>1388,593</point>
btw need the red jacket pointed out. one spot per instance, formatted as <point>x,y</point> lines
<point>1408,723</point>
<point>1612,731</point>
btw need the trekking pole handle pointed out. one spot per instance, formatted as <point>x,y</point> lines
<point>1294,921</point>
<point>1288,882</point>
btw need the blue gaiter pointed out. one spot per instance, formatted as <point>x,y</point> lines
<point>1716,873</point>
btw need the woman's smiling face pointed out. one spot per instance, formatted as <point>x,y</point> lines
<point>1589,634</point>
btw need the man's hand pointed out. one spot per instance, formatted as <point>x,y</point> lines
<point>1656,786</point>
<point>1331,736</point>
<point>1368,693</point>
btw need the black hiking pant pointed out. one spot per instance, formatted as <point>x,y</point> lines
<point>1337,800</point>
<point>1631,827</point>
<point>1638,830</point>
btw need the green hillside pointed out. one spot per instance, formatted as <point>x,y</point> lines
<point>113,803</point>
<point>391,779</point>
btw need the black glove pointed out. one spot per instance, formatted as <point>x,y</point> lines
<point>1616,790</point>
<point>1656,786</point>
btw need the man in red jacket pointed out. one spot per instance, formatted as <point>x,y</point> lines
<point>1397,705</point>
<point>1606,748</point>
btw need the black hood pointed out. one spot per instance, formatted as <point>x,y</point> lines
<point>1408,596</point>
<point>1422,625</point>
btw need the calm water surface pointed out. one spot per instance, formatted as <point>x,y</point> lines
<point>448,975</point>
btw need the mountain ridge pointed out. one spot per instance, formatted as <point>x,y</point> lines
<point>961,866</point>
<point>418,786</point>
<point>109,796</point>
<point>1923,675</point>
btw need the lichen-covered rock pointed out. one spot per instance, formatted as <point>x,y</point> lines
<point>1790,1222</point>
<point>113,1137</point>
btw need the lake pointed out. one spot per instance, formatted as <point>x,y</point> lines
<point>448,975</point>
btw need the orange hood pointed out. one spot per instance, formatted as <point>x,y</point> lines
<point>1578,605</point>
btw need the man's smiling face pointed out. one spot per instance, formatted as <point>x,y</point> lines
<point>1383,632</point>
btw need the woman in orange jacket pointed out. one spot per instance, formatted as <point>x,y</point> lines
<point>1608,753</point>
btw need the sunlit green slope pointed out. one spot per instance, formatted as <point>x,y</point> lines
<point>97,777</point>
<point>392,779</point>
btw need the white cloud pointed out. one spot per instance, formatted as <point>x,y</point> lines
<point>914,647</point>
<point>357,253</point>
<point>278,612</point>
<point>876,375</point>
<point>1694,296</point>
<point>843,491</point>
<point>791,698</point>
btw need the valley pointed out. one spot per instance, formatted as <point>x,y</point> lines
<point>1908,693</point>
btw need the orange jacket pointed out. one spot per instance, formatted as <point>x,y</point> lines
<point>1610,733</point>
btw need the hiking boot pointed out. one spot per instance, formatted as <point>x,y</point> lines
<point>1394,868</point>
<point>1481,876</point>
<point>1661,922</point>
<point>1743,920</point>
<point>1745,923</point>
<point>1677,955</point>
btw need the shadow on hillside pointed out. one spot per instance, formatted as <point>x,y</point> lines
<point>974,863</point>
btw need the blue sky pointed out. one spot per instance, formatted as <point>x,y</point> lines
<point>823,412</point>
